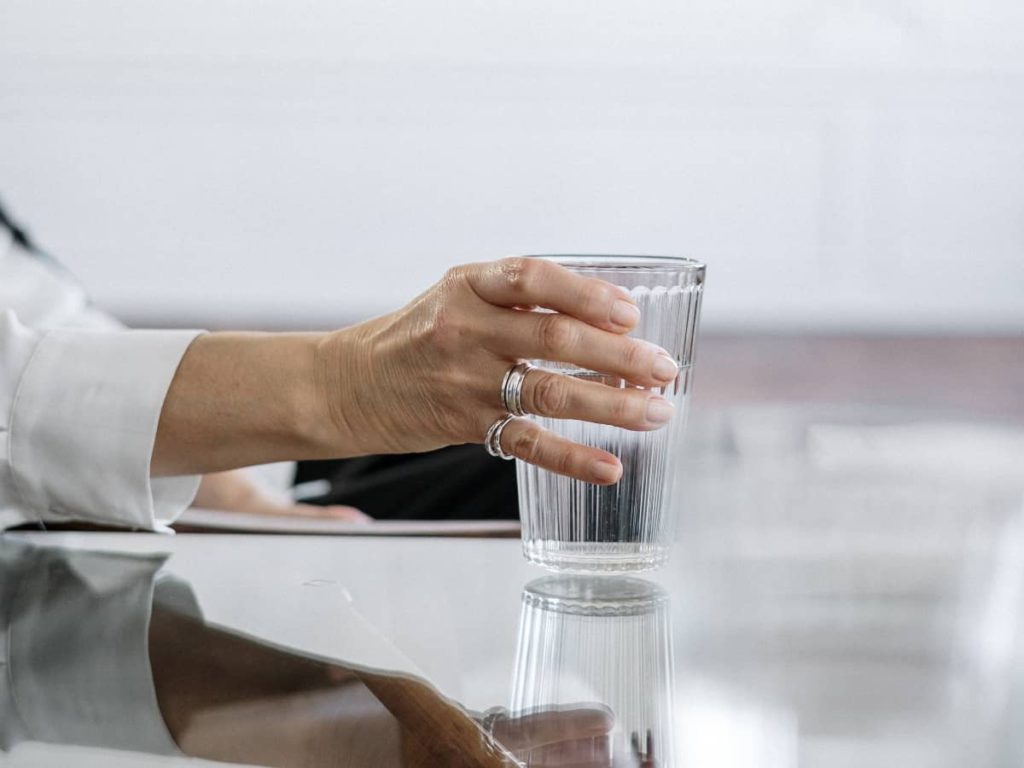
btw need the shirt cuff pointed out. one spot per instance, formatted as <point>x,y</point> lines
<point>84,423</point>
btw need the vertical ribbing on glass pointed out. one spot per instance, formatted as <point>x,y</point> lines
<point>588,641</point>
<point>574,526</point>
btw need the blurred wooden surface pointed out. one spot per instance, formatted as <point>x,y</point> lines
<point>983,375</point>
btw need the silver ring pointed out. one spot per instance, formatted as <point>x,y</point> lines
<point>512,388</point>
<point>492,442</point>
<point>490,717</point>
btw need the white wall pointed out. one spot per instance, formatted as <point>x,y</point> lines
<point>846,164</point>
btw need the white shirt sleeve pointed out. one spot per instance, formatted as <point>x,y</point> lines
<point>78,417</point>
<point>79,408</point>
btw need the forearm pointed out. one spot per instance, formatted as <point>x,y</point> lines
<point>239,399</point>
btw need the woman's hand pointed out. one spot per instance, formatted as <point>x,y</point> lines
<point>235,491</point>
<point>423,377</point>
<point>430,374</point>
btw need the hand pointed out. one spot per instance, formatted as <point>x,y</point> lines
<point>429,375</point>
<point>420,378</point>
<point>236,492</point>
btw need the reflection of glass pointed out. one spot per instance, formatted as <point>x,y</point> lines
<point>575,526</point>
<point>589,641</point>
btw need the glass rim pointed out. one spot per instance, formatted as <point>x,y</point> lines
<point>584,595</point>
<point>622,261</point>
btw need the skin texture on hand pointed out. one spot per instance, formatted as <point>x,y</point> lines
<point>420,378</point>
<point>240,399</point>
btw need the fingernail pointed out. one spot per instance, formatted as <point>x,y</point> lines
<point>664,368</point>
<point>605,471</point>
<point>625,313</point>
<point>659,410</point>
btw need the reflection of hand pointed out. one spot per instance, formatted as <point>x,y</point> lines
<point>338,727</point>
<point>227,697</point>
<point>429,374</point>
<point>562,737</point>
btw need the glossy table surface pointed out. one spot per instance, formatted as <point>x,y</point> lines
<point>847,590</point>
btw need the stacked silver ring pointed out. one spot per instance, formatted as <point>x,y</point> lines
<point>512,388</point>
<point>492,442</point>
<point>490,717</point>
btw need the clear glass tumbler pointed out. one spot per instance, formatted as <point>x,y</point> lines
<point>589,642</point>
<point>569,525</point>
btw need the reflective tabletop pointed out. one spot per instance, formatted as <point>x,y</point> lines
<point>847,590</point>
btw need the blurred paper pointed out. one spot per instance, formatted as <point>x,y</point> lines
<point>217,521</point>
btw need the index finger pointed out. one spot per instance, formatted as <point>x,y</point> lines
<point>521,281</point>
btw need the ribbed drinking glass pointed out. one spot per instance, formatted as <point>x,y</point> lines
<point>574,526</point>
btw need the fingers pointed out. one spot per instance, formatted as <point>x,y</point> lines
<point>524,282</point>
<point>526,440</point>
<point>561,397</point>
<point>556,337</point>
<point>351,514</point>
<point>332,512</point>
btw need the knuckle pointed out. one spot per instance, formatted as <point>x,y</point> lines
<point>527,445</point>
<point>596,299</point>
<point>635,354</point>
<point>443,329</point>
<point>627,408</point>
<point>439,322</point>
<point>550,395</point>
<point>454,275</point>
<point>516,271</point>
<point>557,334</point>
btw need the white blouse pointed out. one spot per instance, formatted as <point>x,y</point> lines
<point>80,398</point>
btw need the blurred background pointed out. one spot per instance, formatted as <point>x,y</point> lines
<point>852,171</point>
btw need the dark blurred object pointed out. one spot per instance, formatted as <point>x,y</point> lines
<point>18,233</point>
<point>461,482</point>
<point>23,239</point>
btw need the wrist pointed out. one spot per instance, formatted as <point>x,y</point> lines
<point>239,399</point>
<point>338,363</point>
<point>313,422</point>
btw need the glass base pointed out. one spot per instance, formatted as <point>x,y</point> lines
<point>577,557</point>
